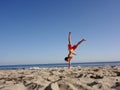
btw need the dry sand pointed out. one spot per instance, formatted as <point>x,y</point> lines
<point>77,78</point>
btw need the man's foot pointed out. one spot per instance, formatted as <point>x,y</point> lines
<point>69,33</point>
<point>83,39</point>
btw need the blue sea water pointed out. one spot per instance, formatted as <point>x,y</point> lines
<point>58,65</point>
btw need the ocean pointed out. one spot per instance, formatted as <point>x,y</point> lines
<point>58,65</point>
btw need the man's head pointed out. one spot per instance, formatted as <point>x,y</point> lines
<point>67,59</point>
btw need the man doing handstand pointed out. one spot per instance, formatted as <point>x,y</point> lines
<point>71,49</point>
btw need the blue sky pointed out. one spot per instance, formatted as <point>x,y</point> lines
<point>35,31</point>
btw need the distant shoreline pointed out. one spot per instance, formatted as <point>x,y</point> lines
<point>63,63</point>
<point>37,66</point>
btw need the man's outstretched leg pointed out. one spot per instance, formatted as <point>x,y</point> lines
<point>80,42</point>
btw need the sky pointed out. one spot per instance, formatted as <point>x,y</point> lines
<point>36,31</point>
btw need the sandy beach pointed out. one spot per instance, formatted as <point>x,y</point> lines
<point>76,78</point>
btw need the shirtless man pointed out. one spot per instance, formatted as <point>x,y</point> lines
<point>71,49</point>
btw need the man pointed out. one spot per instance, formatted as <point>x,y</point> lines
<point>71,49</point>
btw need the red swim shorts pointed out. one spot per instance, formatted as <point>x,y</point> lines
<point>70,47</point>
